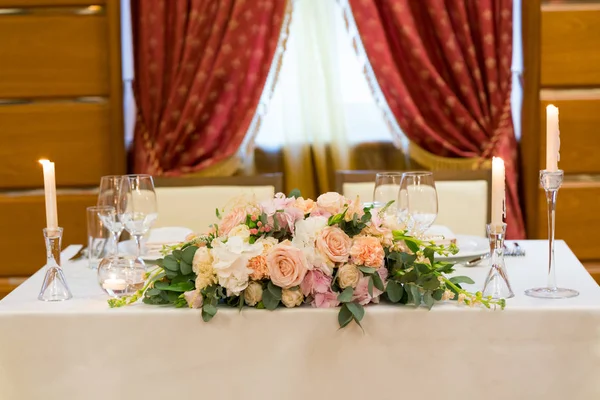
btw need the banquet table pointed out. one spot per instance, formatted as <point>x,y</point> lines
<point>82,349</point>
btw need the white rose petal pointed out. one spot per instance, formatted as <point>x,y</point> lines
<point>241,231</point>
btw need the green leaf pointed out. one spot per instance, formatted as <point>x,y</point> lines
<point>378,282</point>
<point>462,279</point>
<point>188,254</point>
<point>346,295</point>
<point>408,258</point>
<point>209,309</point>
<point>428,299</point>
<point>206,316</point>
<point>412,246</point>
<point>264,219</point>
<point>171,263</point>
<point>416,295</point>
<point>177,254</point>
<point>444,268</point>
<point>171,274</point>
<point>431,283</point>
<point>295,193</point>
<point>274,290</point>
<point>367,270</point>
<point>269,301</point>
<point>177,287</point>
<point>437,295</point>
<point>217,213</point>
<point>358,311</point>
<point>241,303</point>
<point>422,268</point>
<point>410,276</point>
<point>429,254</point>
<point>152,292</point>
<point>344,316</point>
<point>370,287</point>
<point>185,268</point>
<point>394,291</point>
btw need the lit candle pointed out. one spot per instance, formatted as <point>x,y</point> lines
<point>497,190</point>
<point>50,193</point>
<point>552,138</point>
<point>115,284</point>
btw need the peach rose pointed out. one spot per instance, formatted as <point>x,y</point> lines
<point>367,251</point>
<point>334,243</point>
<point>287,265</point>
<point>305,205</point>
<point>231,220</point>
<point>331,202</point>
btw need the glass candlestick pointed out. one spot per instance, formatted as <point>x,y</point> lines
<point>55,286</point>
<point>551,182</point>
<point>497,284</point>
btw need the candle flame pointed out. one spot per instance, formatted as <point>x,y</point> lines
<point>497,161</point>
<point>552,107</point>
<point>44,161</point>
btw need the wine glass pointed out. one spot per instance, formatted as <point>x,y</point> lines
<point>136,207</point>
<point>108,196</point>
<point>387,186</point>
<point>417,202</point>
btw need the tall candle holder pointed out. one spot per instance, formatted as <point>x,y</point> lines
<point>551,182</point>
<point>55,286</point>
<point>497,284</point>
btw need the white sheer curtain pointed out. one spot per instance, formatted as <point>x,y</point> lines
<point>322,104</point>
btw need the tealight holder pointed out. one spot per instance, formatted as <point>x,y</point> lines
<point>551,182</point>
<point>55,286</point>
<point>120,277</point>
<point>497,283</point>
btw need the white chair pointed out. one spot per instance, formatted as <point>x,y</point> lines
<point>192,202</point>
<point>463,196</point>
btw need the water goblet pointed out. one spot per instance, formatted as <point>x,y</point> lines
<point>417,202</point>
<point>108,195</point>
<point>387,185</point>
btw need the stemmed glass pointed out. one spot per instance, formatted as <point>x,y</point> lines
<point>110,187</point>
<point>387,185</point>
<point>136,207</point>
<point>417,202</point>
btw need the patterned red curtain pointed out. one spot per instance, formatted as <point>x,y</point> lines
<point>200,68</point>
<point>444,67</point>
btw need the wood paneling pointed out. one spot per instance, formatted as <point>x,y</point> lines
<point>38,3</point>
<point>74,135</point>
<point>579,133</point>
<point>53,56</point>
<point>7,285</point>
<point>570,45</point>
<point>593,267</point>
<point>577,217</point>
<point>24,217</point>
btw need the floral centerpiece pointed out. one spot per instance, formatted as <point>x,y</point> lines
<point>289,251</point>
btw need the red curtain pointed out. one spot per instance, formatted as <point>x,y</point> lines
<point>200,68</point>
<point>444,67</point>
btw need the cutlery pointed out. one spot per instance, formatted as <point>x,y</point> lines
<point>475,261</point>
<point>520,252</point>
<point>80,254</point>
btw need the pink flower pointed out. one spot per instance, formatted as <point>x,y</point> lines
<point>332,202</point>
<point>306,206</point>
<point>193,298</point>
<point>315,282</point>
<point>334,243</point>
<point>368,251</point>
<point>279,202</point>
<point>320,212</point>
<point>287,219</point>
<point>354,208</point>
<point>236,217</point>
<point>287,265</point>
<point>361,292</point>
<point>325,300</point>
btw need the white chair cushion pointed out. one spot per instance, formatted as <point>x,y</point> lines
<point>462,205</point>
<point>194,207</point>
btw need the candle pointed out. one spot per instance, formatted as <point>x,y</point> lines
<point>552,138</point>
<point>497,190</point>
<point>115,284</point>
<point>50,193</point>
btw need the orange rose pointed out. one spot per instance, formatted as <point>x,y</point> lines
<point>367,251</point>
<point>334,243</point>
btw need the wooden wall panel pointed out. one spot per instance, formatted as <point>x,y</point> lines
<point>577,217</point>
<point>74,135</point>
<point>38,3</point>
<point>24,217</point>
<point>48,55</point>
<point>570,45</point>
<point>579,129</point>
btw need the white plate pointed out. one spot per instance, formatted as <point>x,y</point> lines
<point>469,247</point>
<point>152,245</point>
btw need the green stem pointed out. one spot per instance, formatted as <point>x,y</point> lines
<point>123,301</point>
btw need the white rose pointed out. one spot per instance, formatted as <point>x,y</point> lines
<point>267,243</point>
<point>241,231</point>
<point>231,263</point>
<point>307,230</point>
<point>331,201</point>
<point>291,298</point>
<point>348,276</point>
<point>253,293</point>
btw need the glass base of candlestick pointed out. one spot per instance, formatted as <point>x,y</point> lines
<point>497,284</point>
<point>55,286</point>
<point>548,293</point>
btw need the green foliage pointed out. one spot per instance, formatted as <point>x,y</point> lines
<point>346,295</point>
<point>271,296</point>
<point>462,279</point>
<point>394,291</point>
<point>295,193</point>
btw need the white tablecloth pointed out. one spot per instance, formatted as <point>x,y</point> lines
<point>81,349</point>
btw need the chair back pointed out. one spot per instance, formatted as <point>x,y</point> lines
<point>192,202</point>
<point>463,196</point>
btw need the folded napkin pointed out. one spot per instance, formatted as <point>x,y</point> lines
<point>167,235</point>
<point>440,235</point>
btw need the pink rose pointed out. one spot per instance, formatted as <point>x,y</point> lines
<point>367,251</point>
<point>332,202</point>
<point>325,300</point>
<point>320,212</point>
<point>361,292</point>
<point>334,243</point>
<point>315,282</point>
<point>279,202</point>
<point>287,265</point>
<point>236,217</point>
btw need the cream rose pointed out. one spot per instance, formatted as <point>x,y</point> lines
<point>253,293</point>
<point>287,265</point>
<point>334,243</point>
<point>291,298</point>
<point>332,202</point>
<point>241,231</point>
<point>348,276</point>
